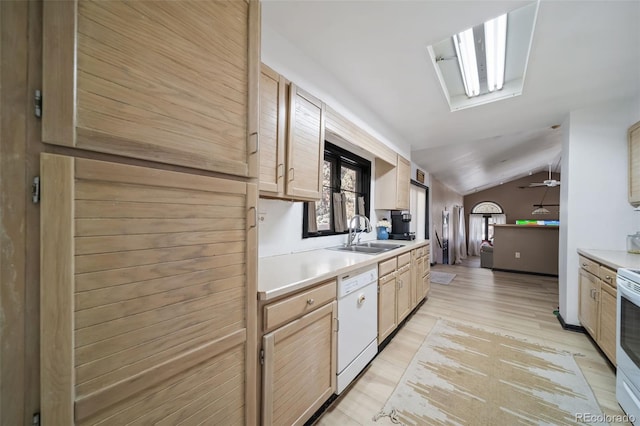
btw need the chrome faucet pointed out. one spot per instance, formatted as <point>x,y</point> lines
<point>353,232</point>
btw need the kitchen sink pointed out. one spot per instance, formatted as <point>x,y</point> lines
<point>367,248</point>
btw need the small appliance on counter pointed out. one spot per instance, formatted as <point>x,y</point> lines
<point>401,225</point>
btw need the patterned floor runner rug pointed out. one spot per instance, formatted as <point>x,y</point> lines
<point>464,375</point>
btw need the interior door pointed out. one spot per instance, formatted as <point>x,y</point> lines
<point>143,294</point>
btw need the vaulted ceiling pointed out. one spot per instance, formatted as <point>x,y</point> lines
<point>583,53</point>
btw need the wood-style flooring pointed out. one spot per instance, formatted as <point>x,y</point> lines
<point>517,304</point>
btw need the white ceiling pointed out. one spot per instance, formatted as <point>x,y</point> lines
<point>583,53</point>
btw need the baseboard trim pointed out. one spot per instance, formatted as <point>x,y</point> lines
<point>524,272</point>
<point>570,327</point>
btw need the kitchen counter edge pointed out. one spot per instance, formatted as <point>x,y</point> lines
<point>309,281</point>
<point>614,259</point>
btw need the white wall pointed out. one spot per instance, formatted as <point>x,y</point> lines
<point>288,60</point>
<point>594,211</point>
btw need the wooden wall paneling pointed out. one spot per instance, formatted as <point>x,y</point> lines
<point>16,396</point>
<point>59,77</point>
<point>56,290</point>
<point>344,128</point>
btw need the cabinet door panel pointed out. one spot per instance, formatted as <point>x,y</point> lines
<point>143,327</point>
<point>305,146</point>
<point>386,307</point>
<point>403,300</point>
<point>588,312</point>
<point>299,372</point>
<point>163,81</point>
<point>403,183</point>
<point>272,132</point>
<point>608,319</point>
<point>634,164</point>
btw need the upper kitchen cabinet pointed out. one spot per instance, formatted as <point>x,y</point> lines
<point>305,145</point>
<point>634,164</point>
<point>291,139</point>
<point>273,125</point>
<point>393,184</point>
<point>173,82</point>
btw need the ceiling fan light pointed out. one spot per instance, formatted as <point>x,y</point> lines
<point>541,210</point>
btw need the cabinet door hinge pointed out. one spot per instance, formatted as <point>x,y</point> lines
<point>261,356</point>
<point>37,104</point>
<point>35,190</point>
<point>35,420</point>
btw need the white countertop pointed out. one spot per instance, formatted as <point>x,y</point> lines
<point>280,275</point>
<point>614,259</point>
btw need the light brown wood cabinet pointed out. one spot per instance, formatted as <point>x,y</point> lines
<point>291,140</point>
<point>420,273</point>
<point>598,304</point>
<point>174,83</point>
<point>403,290</point>
<point>588,313</point>
<point>144,277</point>
<point>299,358</point>
<point>401,286</point>
<point>273,126</point>
<point>634,164</point>
<point>387,296</point>
<point>148,271</point>
<point>393,184</point>
<point>426,272</point>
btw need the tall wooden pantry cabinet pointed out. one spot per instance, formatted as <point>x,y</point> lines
<point>148,212</point>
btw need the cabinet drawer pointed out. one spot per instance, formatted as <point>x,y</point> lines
<point>589,265</point>
<point>387,266</point>
<point>608,275</point>
<point>386,278</point>
<point>293,307</point>
<point>403,259</point>
<point>420,252</point>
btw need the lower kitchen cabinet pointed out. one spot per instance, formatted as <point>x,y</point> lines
<point>608,317</point>
<point>402,284</point>
<point>598,304</point>
<point>299,358</point>
<point>426,272</point>
<point>588,313</point>
<point>403,292</point>
<point>386,305</point>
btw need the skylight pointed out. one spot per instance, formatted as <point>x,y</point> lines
<point>487,62</point>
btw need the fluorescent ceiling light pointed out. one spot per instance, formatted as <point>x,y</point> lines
<point>500,61</point>
<point>495,36</point>
<point>490,42</point>
<point>466,53</point>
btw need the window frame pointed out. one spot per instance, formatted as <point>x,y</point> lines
<point>339,156</point>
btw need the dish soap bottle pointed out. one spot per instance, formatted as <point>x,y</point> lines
<point>383,229</point>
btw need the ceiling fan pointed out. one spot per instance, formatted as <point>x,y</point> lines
<point>549,182</point>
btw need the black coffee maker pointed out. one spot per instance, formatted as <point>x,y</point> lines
<point>400,225</point>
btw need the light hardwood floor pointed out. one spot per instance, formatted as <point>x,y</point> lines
<point>520,305</point>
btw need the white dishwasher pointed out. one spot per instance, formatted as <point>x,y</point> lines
<point>357,323</point>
